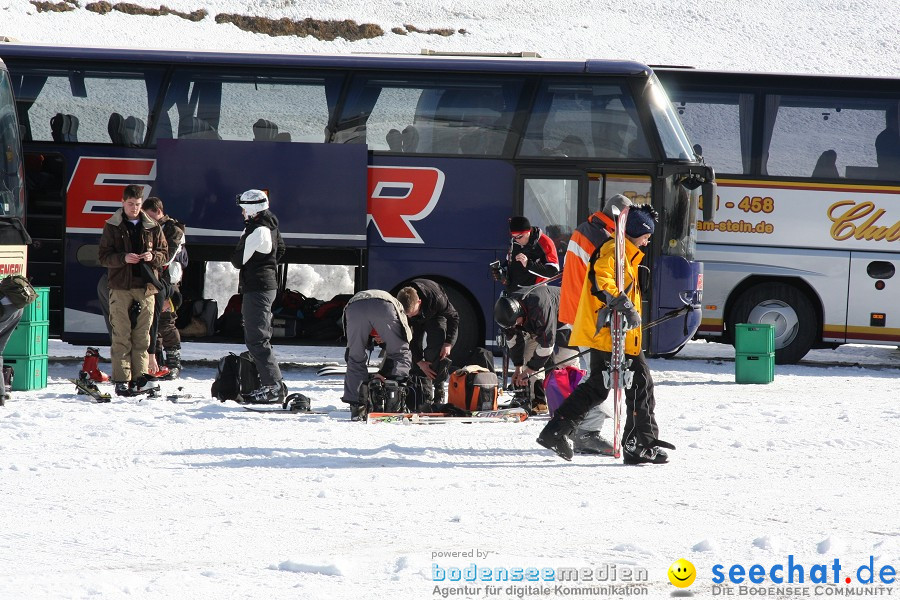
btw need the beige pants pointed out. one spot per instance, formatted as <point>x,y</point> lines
<point>128,350</point>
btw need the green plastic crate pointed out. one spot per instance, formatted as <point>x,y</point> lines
<point>754,338</point>
<point>754,368</point>
<point>29,372</point>
<point>28,339</point>
<point>39,310</point>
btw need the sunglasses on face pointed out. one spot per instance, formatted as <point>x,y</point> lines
<point>519,236</point>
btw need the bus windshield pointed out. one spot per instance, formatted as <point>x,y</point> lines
<point>674,139</point>
<point>11,187</point>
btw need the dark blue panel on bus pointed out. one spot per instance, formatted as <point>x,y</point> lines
<point>318,191</point>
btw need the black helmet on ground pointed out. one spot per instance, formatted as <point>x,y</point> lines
<point>506,311</point>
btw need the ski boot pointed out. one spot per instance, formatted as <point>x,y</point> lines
<point>267,394</point>
<point>173,362</point>
<point>86,386</point>
<point>8,376</point>
<point>636,454</point>
<point>358,412</point>
<point>555,436</point>
<point>522,399</point>
<point>591,442</point>
<point>91,366</point>
<point>143,385</point>
<point>297,403</point>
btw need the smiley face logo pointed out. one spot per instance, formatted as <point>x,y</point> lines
<point>682,573</point>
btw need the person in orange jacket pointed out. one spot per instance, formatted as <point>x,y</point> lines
<point>640,436</point>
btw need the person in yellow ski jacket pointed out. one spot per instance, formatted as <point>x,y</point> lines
<point>599,293</point>
<point>587,237</point>
<point>585,329</point>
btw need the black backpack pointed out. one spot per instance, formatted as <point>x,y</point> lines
<point>236,375</point>
<point>481,357</point>
<point>382,396</point>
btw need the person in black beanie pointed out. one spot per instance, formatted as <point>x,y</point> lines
<point>532,256</point>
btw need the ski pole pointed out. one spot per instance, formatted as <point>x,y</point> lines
<point>666,317</point>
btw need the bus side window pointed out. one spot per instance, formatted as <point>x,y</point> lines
<point>601,115</point>
<point>448,114</point>
<point>798,125</point>
<point>722,121</point>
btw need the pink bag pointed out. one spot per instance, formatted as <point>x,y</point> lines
<point>559,383</point>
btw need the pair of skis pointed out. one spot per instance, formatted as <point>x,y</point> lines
<point>617,378</point>
<point>503,415</point>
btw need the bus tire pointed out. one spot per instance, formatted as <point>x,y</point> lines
<point>788,309</point>
<point>469,334</point>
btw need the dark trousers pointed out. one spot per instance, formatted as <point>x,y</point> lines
<point>9,319</point>
<point>256,308</point>
<point>640,402</point>
<point>435,333</point>
<point>171,338</point>
<point>360,318</point>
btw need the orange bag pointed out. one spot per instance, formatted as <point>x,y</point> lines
<point>473,388</point>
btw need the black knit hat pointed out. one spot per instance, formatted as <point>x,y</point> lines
<point>641,221</point>
<point>519,224</point>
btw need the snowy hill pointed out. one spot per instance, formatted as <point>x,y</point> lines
<point>819,36</point>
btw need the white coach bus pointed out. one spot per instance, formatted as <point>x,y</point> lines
<point>807,228</point>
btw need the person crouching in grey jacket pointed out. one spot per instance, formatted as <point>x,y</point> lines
<point>367,312</point>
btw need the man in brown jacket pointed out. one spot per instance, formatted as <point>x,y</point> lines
<point>132,248</point>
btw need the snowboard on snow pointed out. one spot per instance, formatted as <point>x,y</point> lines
<point>294,404</point>
<point>277,409</point>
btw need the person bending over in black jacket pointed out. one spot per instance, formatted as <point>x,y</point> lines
<point>432,317</point>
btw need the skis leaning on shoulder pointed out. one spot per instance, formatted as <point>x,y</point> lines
<point>618,377</point>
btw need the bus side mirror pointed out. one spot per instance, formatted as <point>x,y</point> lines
<point>709,191</point>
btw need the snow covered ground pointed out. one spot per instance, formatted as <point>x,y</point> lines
<point>150,499</point>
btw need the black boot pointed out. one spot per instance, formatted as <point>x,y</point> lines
<point>358,412</point>
<point>635,454</point>
<point>555,436</point>
<point>173,362</point>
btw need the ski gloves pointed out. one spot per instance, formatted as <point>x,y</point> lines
<point>631,318</point>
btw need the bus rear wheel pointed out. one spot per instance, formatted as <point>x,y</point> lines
<point>785,307</point>
<point>469,335</point>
